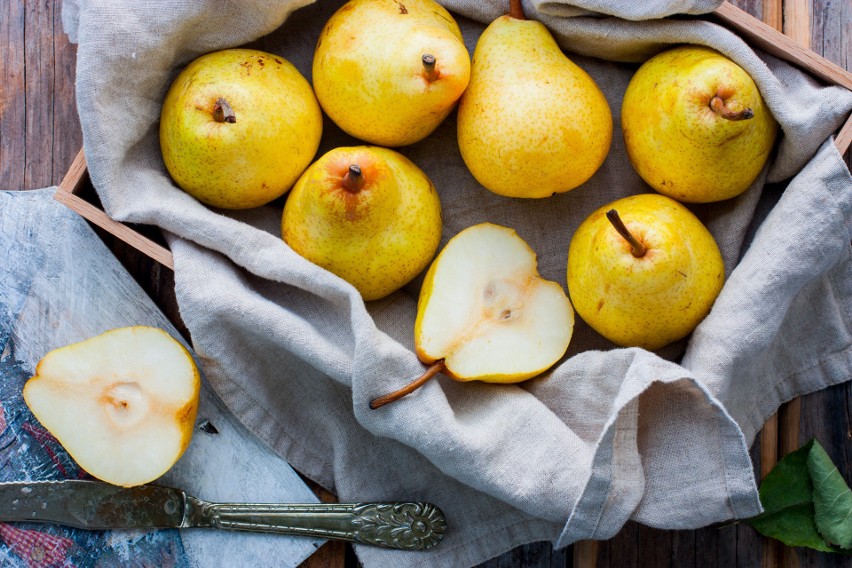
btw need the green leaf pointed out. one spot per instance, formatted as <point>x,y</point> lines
<point>789,482</point>
<point>832,499</point>
<point>787,498</point>
<point>794,526</point>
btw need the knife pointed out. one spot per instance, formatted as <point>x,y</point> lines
<point>96,505</point>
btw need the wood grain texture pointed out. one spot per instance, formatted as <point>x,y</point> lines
<point>13,158</point>
<point>62,285</point>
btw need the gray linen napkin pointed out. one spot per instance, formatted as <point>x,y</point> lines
<point>606,436</point>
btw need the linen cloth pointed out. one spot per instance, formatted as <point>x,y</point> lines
<point>608,434</point>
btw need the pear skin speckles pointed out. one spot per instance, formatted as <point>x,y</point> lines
<point>653,300</point>
<point>368,69</point>
<point>678,144</point>
<point>259,155</point>
<point>377,239</point>
<point>531,123</point>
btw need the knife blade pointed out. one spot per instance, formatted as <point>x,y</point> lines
<point>94,505</point>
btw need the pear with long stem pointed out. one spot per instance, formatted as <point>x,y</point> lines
<point>643,271</point>
<point>485,313</point>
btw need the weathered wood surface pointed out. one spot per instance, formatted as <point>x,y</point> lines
<point>40,135</point>
<point>60,285</point>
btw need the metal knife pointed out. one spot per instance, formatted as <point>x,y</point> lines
<point>96,505</point>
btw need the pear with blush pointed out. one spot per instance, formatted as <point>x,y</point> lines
<point>389,71</point>
<point>367,214</point>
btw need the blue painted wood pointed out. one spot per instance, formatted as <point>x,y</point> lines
<point>59,284</point>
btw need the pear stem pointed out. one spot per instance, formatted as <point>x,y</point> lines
<point>516,9</point>
<point>718,106</point>
<point>222,112</point>
<point>637,248</point>
<point>353,181</point>
<point>433,370</point>
<point>429,66</point>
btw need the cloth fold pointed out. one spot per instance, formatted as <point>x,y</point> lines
<point>608,434</point>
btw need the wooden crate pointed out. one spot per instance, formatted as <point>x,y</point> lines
<point>755,32</point>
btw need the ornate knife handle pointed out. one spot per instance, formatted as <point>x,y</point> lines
<point>405,526</point>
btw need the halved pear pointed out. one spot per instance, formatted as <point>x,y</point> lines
<point>485,313</point>
<point>122,404</point>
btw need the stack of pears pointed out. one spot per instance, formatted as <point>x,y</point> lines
<point>240,128</point>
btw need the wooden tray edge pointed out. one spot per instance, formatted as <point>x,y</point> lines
<point>66,194</point>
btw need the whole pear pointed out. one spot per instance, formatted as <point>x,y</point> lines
<point>531,123</point>
<point>367,214</point>
<point>389,71</point>
<point>695,125</point>
<point>238,127</point>
<point>643,271</point>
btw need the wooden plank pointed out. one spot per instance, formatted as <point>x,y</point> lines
<point>844,138</point>
<point>67,133</point>
<point>67,194</point>
<point>38,84</point>
<point>12,96</point>
<point>584,554</point>
<point>655,549</point>
<point>763,36</point>
<point>75,175</point>
<point>125,233</point>
<point>772,13</point>
<point>797,21</point>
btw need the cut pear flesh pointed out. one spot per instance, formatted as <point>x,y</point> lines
<point>122,404</point>
<point>487,312</point>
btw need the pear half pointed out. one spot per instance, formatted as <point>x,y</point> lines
<point>485,313</point>
<point>122,404</point>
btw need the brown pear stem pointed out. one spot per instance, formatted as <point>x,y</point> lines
<point>353,181</point>
<point>637,248</point>
<point>718,106</point>
<point>429,69</point>
<point>433,370</point>
<point>516,9</point>
<point>222,112</point>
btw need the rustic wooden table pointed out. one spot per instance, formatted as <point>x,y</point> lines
<point>40,135</point>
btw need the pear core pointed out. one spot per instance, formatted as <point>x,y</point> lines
<point>488,313</point>
<point>122,404</point>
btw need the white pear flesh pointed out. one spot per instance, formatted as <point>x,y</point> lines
<point>122,404</point>
<point>488,313</point>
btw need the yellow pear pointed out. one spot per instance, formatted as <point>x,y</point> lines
<point>238,127</point>
<point>389,71</point>
<point>695,126</point>
<point>122,404</point>
<point>485,313</point>
<point>643,271</point>
<point>531,123</point>
<point>367,214</point>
